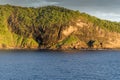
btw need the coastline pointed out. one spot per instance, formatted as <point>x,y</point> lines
<point>60,49</point>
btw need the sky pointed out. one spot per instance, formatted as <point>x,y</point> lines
<point>104,9</point>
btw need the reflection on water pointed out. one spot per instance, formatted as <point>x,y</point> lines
<point>57,65</point>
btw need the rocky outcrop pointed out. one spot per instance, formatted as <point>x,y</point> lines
<point>53,27</point>
<point>89,36</point>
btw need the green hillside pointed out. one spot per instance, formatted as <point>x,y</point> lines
<point>23,27</point>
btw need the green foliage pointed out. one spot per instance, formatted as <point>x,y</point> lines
<point>26,27</point>
<point>70,40</point>
<point>27,20</point>
<point>105,24</point>
<point>20,41</point>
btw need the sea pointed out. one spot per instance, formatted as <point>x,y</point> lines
<point>59,65</point>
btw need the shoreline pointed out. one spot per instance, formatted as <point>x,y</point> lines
<point>69,49</point>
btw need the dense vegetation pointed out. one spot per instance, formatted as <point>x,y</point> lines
<point>105,24</point>
<point>27,26</point>
<point>35,23</point>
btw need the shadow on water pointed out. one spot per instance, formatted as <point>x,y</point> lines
<point>37,51</point>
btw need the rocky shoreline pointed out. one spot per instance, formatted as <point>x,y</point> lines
<point>60,49</point>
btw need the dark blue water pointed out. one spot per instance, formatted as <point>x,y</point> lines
<point>58,65</point>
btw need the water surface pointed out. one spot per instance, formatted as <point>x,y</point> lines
<point>59,65</point>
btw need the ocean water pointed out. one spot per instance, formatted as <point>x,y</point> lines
<point>59,65</point>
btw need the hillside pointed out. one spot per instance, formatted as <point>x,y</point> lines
<point>54,27</point>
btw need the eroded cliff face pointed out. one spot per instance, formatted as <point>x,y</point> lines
<point>81,34</point>
<point>77,35</point>
<point>54,27</point>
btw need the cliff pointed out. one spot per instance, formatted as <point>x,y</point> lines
<point>53,27</point>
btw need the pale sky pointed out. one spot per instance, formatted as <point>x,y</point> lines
<point>104,9</point>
